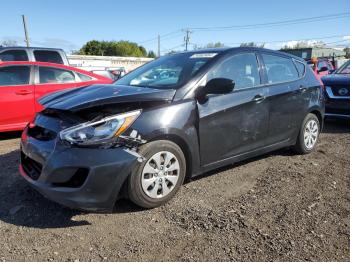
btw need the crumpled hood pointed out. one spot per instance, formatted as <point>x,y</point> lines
<point>336,79</point>
<point>95,95</point>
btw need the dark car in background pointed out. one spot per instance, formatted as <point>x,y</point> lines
<point>337,86</point>
<point>33,54</point>
<point>173,118</point>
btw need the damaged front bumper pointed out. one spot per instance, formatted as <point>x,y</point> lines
<point>81,178</point>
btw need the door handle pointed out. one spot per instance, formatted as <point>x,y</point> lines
<point>302,89</point>
<point>23,92</point>
<point>258,98</point>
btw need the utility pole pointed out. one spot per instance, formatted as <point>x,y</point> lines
<point>187,38</point>
<point>158,45</point>
<point>25,30</point>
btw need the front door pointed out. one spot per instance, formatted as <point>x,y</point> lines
<point>16,97</point>
<point>235,123</point>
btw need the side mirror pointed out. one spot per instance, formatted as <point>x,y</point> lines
<point>323,69</point>
<point>218,86</point>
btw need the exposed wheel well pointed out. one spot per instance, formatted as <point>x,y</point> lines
<point>319,116</point>
<point>184,147</point>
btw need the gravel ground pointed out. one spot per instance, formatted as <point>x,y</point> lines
<point>279,207</point>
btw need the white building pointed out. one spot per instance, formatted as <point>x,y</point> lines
<point>89,63</point>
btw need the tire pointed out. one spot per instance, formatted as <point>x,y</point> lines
<point>304,145</point>
<point>153,183</point>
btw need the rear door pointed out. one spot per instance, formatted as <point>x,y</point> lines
<point>52,79</point>
<point>235,123</point>
<point>16,97</point>
<point>285,96</point>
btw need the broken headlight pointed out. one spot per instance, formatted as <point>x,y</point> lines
<point>101,131</point>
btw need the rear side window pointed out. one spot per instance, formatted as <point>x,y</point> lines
<point>242,69</point>
<point>14,75</point>
<point>301,68</point>
<point>84,78</point>
<point>48,56</point>
<point>55,76</point>
<point>14,55</point>
<point>279,69</point>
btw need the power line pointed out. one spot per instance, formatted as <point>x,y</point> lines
<point>277,23</point>
<point>165,38</point>
<point>289,40</point>
<point>170,49</point>
<point>162,36</point>
<point>336,42</point>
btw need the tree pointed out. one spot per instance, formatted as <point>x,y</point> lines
<point>9,43</point>
<point>303,44</point>
<point>151,54</point>
<point>143,51</point>
<point>113,48</point>
<point>347,52</point>
<point>252,44</point>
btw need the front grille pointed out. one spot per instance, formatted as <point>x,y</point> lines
<point>31,167</point>
<point>341,90</point>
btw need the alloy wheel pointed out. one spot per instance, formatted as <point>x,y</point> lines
<point>311,134</point>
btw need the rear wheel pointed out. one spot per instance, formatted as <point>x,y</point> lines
<point>160,176</point>
<point>308,135</point>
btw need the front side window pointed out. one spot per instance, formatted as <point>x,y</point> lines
<point>55,76</point>
<point>279,69</point>
<point>14,55</point>
<point>14,75</point>
<point>48,56</point>
<point>168,72</point>
<point>243,69</point>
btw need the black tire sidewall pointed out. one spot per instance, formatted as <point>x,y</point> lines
<point>135,191</point>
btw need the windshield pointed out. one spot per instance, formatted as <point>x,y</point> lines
<point>344,69</point>
<point>168,72</point>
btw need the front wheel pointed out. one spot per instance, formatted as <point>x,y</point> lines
<point>308,135</point>
<point>159,177</point>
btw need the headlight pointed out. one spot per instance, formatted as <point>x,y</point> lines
<point>101,131</point>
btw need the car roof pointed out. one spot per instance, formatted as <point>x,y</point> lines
<point>47,64</point>
<point>29,48</point>
<point>238,49</point>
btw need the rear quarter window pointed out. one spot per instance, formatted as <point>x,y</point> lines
<point>48,56</point>
<point>279,69</point>
<point>84,78</point>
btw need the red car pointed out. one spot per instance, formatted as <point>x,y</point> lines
<point>22,83</point>
<point>321,66</point>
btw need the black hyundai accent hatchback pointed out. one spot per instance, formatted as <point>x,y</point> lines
<point>174,118</point>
